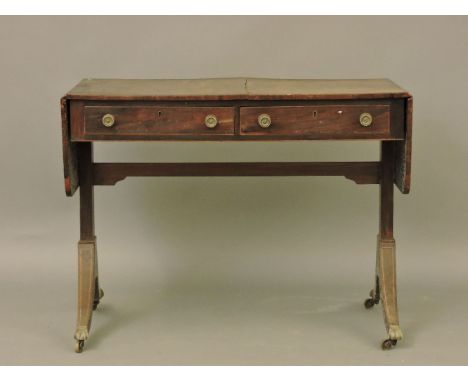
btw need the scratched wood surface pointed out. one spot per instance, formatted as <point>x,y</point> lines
<point>234,89</point>
<point>264,88</point>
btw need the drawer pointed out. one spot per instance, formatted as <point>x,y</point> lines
<point>133,122</point>
<point>318,122</point>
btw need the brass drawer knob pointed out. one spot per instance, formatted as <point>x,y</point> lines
<point>108,120</point>
<point>365,119</point>
<point>211,121</point>
<point>264,121</point>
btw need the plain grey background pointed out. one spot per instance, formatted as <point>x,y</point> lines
<point>237,270</point>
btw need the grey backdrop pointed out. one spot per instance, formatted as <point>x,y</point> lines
<point>239,270</point>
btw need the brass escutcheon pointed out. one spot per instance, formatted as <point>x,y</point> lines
<point>211,121</point>
<point>108,120</point>
<point>365,119</point>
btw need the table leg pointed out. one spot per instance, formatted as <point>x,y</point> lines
<point>86,283</point>
<point>89,292</point>
<point>385,278</point>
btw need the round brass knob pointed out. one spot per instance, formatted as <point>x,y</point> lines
<point>108,120</point>
<point>211,121</point>
<point>264,121</point>
<point>365,119</point>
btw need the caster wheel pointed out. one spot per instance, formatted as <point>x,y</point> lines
<point>388,344</point>
<point>96,302</point>
<point>369,303</point>
<point>79,344</point>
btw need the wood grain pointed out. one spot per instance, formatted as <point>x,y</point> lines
<point>403,152</point>
<point>386,190</point>
<point>159,89</point>
<point>69,152</point>
<point>360,172</point>
<point>310,89</point>
<point>234,89</point>
<point>312,120</point>
<point>155,121</point>
<point>85,155</point>
<point>291,103</point>
<point>319,122</point>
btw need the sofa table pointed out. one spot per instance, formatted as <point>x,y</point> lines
<point>237,109</point>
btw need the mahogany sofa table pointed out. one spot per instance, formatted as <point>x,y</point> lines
<point>237,109</point>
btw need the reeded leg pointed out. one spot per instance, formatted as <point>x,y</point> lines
<point>89,293</point>
<point>385,275</point>
<point>86,288</point>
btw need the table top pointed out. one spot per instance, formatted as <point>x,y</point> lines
<point>235,89</point>
<point>177,109</point>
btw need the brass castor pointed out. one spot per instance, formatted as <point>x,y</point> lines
<point>79,344</point>
<point>388,344</point>
<point>96,302</point>
<point>370,302</point>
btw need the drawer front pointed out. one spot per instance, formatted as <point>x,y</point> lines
<point>133,122</point>
<point>318,122</point>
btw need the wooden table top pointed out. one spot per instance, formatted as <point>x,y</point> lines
<point>234,89</point>
<point>182,108</point>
